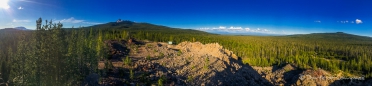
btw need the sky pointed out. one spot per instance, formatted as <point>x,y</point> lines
<point>219,16</point>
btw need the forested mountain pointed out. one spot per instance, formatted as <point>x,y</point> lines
<point>37,57</point>
<point>337,36</point>
<point>331,51</point>
<point>138,27</point>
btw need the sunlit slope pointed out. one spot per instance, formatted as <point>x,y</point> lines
<point>330,51</point>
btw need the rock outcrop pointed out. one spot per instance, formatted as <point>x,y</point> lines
<point>194,63</point>
<point>188,63</point>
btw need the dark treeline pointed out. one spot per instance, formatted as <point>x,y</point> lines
<point>51,55</point>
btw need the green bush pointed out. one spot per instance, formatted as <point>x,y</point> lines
<point>131,76</point>
<point>206,65</point>
<point>161,81</point>
<point>127,61</point>
<point>148,57</point>
<point>179,53</point>
<point>190,78</point>
<point>161,55</point>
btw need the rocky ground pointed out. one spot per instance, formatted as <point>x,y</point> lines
<point>193,63</point>
<point>188,63</point>
<point>290,75</point>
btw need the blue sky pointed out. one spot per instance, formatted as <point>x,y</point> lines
<point>260,16</point>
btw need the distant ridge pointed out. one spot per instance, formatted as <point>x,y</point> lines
<point>135,26</point>
<point>9,31</point>
<point>333,36</point>
<point>21,28</point>
<point>18,28</point>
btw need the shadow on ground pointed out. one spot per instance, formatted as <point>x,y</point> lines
<point>243,75</point>
<point>358,81</point>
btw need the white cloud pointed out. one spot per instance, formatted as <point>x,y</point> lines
<point>20,8</point>
<point>222,27</point>
<point>247,29</point>
<point>358,21</point>
<point>233,29</point>
<point>20,21</point>
<point>74,21</point>
<point>318,21</point>
<point>70,20</point>
<point>344,21</point>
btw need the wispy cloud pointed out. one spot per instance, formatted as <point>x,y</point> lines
<point>20,8</point>
<point>233,29</point>
<point>344,21</point>
<point>358,21</point>
<point>70,20</point>
<point>318,21</point>
<point>75,21</point>
<point>20,21</point>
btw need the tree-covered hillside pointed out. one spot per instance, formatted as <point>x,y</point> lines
<point>331,51</point>
<point>53,55</point>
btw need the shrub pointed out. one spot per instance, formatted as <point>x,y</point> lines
<point>149,46</point>
<point>161,55</point>
<point>179,53</point>
<point>161,80</point>
<point>155,50</point>
<point>190,79</point>
<point>131,74</point>
<point>206,63</point>
<point>127,61</point>
<point>193,67</point>
<point>148,57</point>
